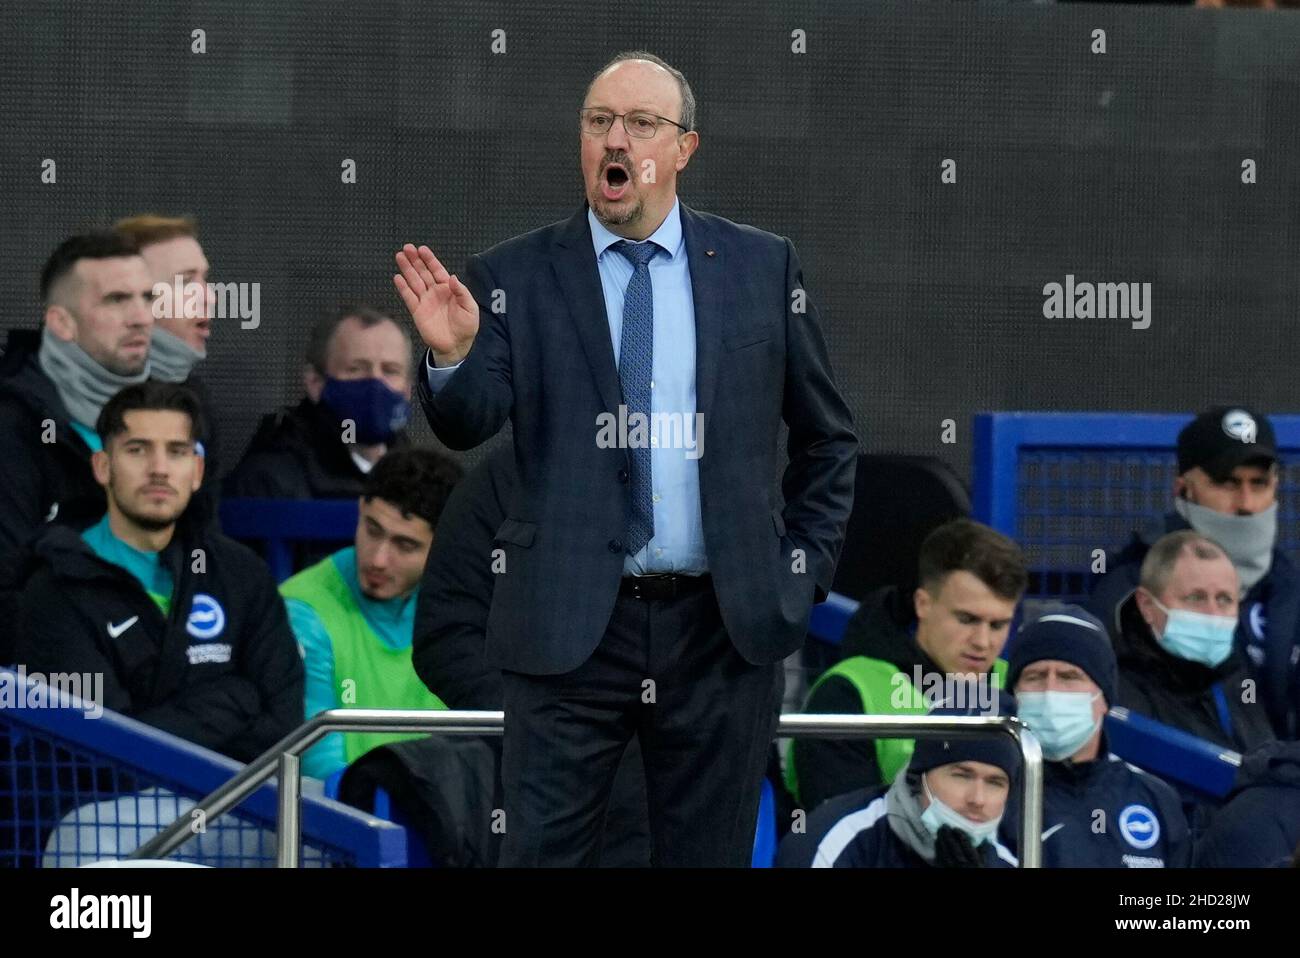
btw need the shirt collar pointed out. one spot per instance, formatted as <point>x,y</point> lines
<point>668,236</point>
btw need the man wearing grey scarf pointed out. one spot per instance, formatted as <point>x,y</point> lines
<point>171,249</point>
<point>183,314</point>
<point>1226,488</point>
<point>171,359</point>
<point>83,385</point>
<point>97,320</point>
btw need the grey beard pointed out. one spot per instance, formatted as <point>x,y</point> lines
<point>601,209</point>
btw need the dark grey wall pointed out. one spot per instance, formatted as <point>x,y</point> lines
<point>1120,167</point>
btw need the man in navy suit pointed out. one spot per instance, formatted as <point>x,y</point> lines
<point>649,582</point>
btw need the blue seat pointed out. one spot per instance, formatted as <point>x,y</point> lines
<point>765,834</point>
<point>277,523</point>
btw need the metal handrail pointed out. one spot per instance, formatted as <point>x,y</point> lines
<point>282,760</point>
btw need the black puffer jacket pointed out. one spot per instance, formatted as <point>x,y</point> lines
<point>298,453</point>
<point>222,670</point>
<point>1183,694</point>
<point>45,469</point>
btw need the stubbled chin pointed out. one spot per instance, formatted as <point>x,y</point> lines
<point>614,212</point>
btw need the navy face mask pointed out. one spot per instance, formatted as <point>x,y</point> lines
<point>377,411</point>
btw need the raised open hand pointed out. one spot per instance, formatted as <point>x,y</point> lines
<point>441,305</point>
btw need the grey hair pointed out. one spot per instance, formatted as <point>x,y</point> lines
<point>688,98</point>
<point>1159,563</point>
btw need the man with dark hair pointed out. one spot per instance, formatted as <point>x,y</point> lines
<point>183,312</point>
<point>902,654</point>
<point>354,611</point>
<point>1178,662</point>
<point>943,809</point>
<point>184,624</point>
<point>357,379</point>
<point>1226,489</point>
<point>96,293</point>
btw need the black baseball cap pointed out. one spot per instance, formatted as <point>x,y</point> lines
<point>1225,437</point>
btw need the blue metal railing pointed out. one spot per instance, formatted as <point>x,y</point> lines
<point>74,789</point>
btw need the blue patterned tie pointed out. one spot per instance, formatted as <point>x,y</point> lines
<point>635,363</point>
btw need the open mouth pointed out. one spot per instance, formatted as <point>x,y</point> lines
<point>615,181</point>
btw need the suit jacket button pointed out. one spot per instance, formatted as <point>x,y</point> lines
<point>615,545</point>
<point>622,475</point>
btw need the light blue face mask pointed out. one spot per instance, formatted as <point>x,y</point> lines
<point>1061,721</point>
<point>1197,636</point>
<point>937,814</point>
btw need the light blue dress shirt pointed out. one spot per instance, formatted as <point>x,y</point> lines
<point>678,542</point>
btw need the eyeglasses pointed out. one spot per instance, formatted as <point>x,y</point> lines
<point>639,123</point>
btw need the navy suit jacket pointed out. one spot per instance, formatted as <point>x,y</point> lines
<point>546,362</point>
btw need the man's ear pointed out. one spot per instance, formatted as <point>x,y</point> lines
<point>99,465</point>
<point>1146,606</point>
<point>200,463</point>
<point>313,383</point>
<point>921,602</point>
<point>687,145</point>
<point>61,322</point>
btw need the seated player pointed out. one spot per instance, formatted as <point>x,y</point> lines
<point>1178,663</point>
<point>953,626</point>
<point>179,343</point>
<point>1098,812</point>
<point>184,624</point>
<point>943,810</point>
<point>97,295</point>
<point>358,389</point>
<point>354,611</point>
<point>1227,490</point>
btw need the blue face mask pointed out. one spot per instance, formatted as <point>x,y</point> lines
<point>377,411</point>
<point>1061,721</point>
<point>1197,636</point>
<point>937,815</point>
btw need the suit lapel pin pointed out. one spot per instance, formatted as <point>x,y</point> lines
<point>708,252</point>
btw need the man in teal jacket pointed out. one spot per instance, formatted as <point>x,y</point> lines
<point>354,611</point>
